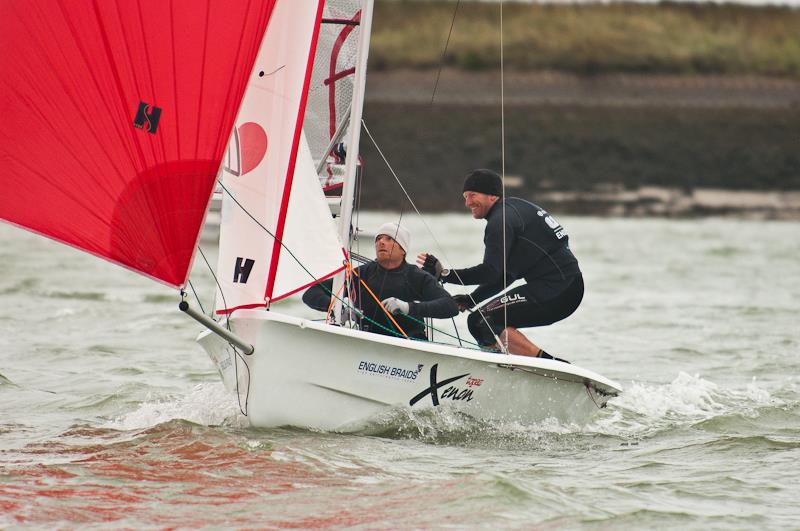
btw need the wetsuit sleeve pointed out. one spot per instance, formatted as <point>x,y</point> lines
<point>434,300</point>
<point>491,270</point>
<point>318,296</point>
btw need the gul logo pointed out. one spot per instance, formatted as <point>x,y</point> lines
<point>389,371</point>
<point>552,223</point>
<point>511,299</point>
<point>147,117</point>
<point>505,300</point>
<point>450,392</point>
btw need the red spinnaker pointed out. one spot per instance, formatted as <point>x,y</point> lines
<point>115,118</point>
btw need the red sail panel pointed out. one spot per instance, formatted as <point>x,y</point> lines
<point>115,119</point>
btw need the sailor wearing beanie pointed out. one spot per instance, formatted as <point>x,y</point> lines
<point>522,240</point>
<point>406,291</point>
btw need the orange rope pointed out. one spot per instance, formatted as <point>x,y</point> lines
<point>389,315</point>
<point>333,301</point>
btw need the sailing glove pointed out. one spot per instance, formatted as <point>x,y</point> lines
<point>395,305</point>
<point>432,265</point>
<point>464,302</point>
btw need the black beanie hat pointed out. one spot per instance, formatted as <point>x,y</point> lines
<point>484,181</point>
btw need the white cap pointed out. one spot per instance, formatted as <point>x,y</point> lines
<point>397,233</point>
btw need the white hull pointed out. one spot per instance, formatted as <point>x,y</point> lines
<point>312,375</point>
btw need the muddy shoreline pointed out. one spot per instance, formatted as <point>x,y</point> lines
<point>606,145</point>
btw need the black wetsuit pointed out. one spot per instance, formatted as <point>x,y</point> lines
<point>537,250</point>
<point>425,297</point>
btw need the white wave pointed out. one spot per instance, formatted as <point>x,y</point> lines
<point>208,404</point>
<point>645,408</point>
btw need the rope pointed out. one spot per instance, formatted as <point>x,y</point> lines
<point>379,325</point>
<point>199,303</point>
<point>336,296</point>
<point>378,302</point>
<point>219,286</point>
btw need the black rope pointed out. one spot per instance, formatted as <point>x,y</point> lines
<point>456,329</point>
<point>211,270</point>
<point>199,303</point>
<point>236,375</point>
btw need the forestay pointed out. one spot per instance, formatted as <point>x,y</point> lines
<point>277,235</point>
<point>115,120</point>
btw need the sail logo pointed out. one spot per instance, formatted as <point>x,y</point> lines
<point>147,117</point>
<point>451,392</point>
<point>241,272</point>
<point>246,149</point>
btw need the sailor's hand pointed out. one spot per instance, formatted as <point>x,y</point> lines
<point>430,264</point>
<point>395,305</point>
<point>464,302</point>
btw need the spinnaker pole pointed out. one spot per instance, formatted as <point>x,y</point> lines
<point>215,327</point>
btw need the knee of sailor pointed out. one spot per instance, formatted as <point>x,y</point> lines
<point>481,328</point>
<point>474,320</point>
<point>480,323</point>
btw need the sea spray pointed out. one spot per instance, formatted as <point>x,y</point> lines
<point>644,410</point>
<point>207,404</point>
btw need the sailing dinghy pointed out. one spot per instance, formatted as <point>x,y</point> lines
<point>120,118</point>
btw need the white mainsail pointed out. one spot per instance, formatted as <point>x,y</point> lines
<point>272,197</point>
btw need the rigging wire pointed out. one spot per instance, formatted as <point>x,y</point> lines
<point>433,97</point>
<point>436,240</point>
<point>394,237</point>
<point>265,229</point>
<point>236,375</point>
<point>219,286</point>
<point>444,51</point>
<point>199,302</point>
<point>503,173</point>
<point>239,355</point>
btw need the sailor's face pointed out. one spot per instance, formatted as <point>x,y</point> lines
<point>387,249</point>
<point>479,204</point>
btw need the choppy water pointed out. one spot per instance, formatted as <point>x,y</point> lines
<point>110,416</point>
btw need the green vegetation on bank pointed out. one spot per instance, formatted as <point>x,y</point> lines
<point>590,39</point>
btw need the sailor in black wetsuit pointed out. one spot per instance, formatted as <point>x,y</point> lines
<point>536,249</point>
<point>406,291</point>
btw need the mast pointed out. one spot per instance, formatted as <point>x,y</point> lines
<point>353,138</point>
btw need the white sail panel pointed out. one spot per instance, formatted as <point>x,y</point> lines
<point>259,166</point>
<point>309,233</point>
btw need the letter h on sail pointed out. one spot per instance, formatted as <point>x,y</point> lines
<point>147,117</point>
<point>242,270</point>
